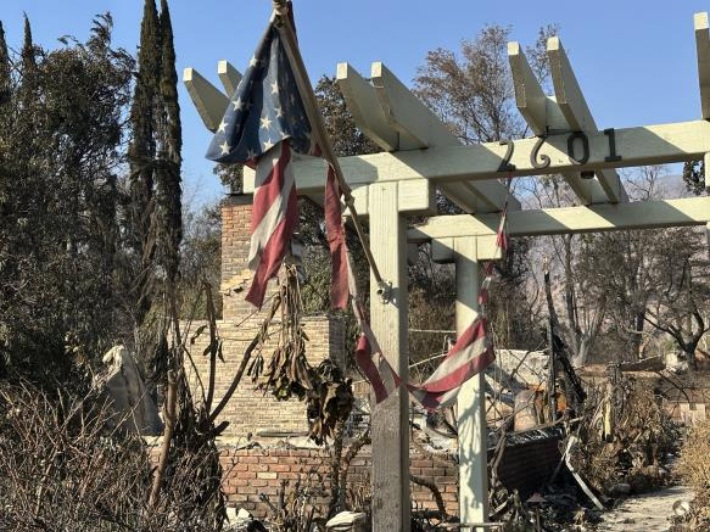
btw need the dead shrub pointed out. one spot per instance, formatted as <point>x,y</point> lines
<point>694,465</point>
<point>694,469</point>
<point>633,453</point>
<point>62,467</point>
<point>295,508</point>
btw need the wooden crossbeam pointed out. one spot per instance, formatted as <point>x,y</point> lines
<point>395,119</point>
<point>570,220</point>
<point>364,105</point>
<point>229,76</point>
<point>529,96</point>
<point>577,114</point>
<point>637,146</point>
<point>544,115</point>
<point>211,103</point>
<point>417,125</point>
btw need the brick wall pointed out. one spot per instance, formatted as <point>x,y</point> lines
<point>236,224</point>
<point>529,465</point>
<point>250,472</point>
<point>250,411</point>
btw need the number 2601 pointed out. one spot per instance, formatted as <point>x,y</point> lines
<point>574,140</point>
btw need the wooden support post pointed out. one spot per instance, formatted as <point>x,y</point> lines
<point>471,405</point>
<point>390,425</point>
<point>702,45</point>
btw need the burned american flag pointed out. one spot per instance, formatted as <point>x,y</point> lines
<point>472,353</point>
<point>264,122</point>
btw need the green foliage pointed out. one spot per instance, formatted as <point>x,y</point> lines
<point>694,176</point>
<point>200,261</point>
<point>5,69</point>
<point>61,142</point>
<point>29,61</point>
<point>230,176</point>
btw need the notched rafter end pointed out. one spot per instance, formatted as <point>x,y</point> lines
<point>342,71</point>
<point>209,101</point>
<point>514,49</point>
<point>554,44</point>
<point>229,76</point>
<point>188,74</point>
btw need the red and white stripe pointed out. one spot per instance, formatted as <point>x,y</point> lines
<point>368,355</point>
<point>336,241</point>
<point>471,354</point>
<point>274,217</point>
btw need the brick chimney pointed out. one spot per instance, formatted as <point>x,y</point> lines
<point>251,410</point>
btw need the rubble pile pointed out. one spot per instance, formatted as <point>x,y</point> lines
<point>625,440</point>
<point>694,469</point>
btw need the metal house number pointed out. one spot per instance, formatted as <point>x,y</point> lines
<point>577,151</point>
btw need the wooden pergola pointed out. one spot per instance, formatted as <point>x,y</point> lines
<point>420,155</point>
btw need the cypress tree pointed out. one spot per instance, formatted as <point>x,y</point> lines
<point>5,72</point>
<point>155,159</point>
<point>169,176</point>
<point>142,153</point>
<point>6,90</point>
<point>28,87</point>
<point>29,62</point>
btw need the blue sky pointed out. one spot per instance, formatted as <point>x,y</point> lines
<point>635,60</point>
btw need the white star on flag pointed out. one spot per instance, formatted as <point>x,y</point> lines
<point>257,130</point>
